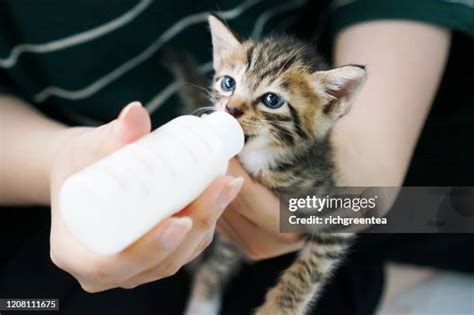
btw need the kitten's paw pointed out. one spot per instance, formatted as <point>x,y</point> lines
<point>202,307</point>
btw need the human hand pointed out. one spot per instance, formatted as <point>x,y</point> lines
<point>252,220</point>
<point>164,249</point>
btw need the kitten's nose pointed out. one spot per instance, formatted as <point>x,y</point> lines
<point>234,111</point>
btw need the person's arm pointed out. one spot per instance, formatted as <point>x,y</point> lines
<point>405,61</point>
<point>375,141</point>
<point>39,154</point>
<point>28,142</point>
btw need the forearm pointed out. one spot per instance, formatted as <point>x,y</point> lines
<point>405,61</point>
<point>28,144</point>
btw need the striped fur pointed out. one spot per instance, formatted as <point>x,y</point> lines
<point>286,147</point>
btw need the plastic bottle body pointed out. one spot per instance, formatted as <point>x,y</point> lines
<point>115,201</point>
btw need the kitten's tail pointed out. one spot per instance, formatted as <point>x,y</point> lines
<point>193,93</point>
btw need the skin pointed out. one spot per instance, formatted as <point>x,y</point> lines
<point>405,61</point>
<point>60,151</point>
<point>375,141</point>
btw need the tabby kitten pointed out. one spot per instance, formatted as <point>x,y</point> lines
<point>287,101</point>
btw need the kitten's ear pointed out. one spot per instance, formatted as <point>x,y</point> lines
<point>340,86</point>
<point>223,39</point>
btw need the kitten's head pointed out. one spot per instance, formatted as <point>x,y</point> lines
<point>278,88</point>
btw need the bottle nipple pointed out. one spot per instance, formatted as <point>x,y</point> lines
<point>229,131</point>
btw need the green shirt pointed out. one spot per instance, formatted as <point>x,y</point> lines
<point>457,15</point>
<point>82,61</point>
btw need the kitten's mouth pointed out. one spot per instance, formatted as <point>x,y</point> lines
<point>248,137</point>
<point>247,133</point>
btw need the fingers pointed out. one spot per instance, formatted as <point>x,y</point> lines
<point>97,273</point>
<point>257,243</point>
<point>206,222</point>
<point>256,202</point>
<point>163,250</point>
<point>132,124</point>
<point>258,205</point>
<point>236,169</point>
<point>166,248</point>
<point>208,207</point>
<point>93,144</point>
<point>204,213</point>
<point>156,245</point>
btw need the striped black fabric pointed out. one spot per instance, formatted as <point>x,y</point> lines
<point>84,60</point>
<point>87,59</point>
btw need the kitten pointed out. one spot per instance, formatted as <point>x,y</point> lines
<point>287,101</point>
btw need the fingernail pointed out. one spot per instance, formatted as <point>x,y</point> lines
<point>175,233</point>
<point>130,115</point>
<point>129,110</point>
<point>230,191</point>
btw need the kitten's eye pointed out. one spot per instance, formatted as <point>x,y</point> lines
<point>227,83</point>
<point>272,100</point>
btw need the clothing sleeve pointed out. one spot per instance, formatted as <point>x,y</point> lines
<point>5,85</point>
<point>456,15</point>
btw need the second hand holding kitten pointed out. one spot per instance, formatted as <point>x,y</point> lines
<point>252,220</point>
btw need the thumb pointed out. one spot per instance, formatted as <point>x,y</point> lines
<point>92,144</point>
<point>132,124</point>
